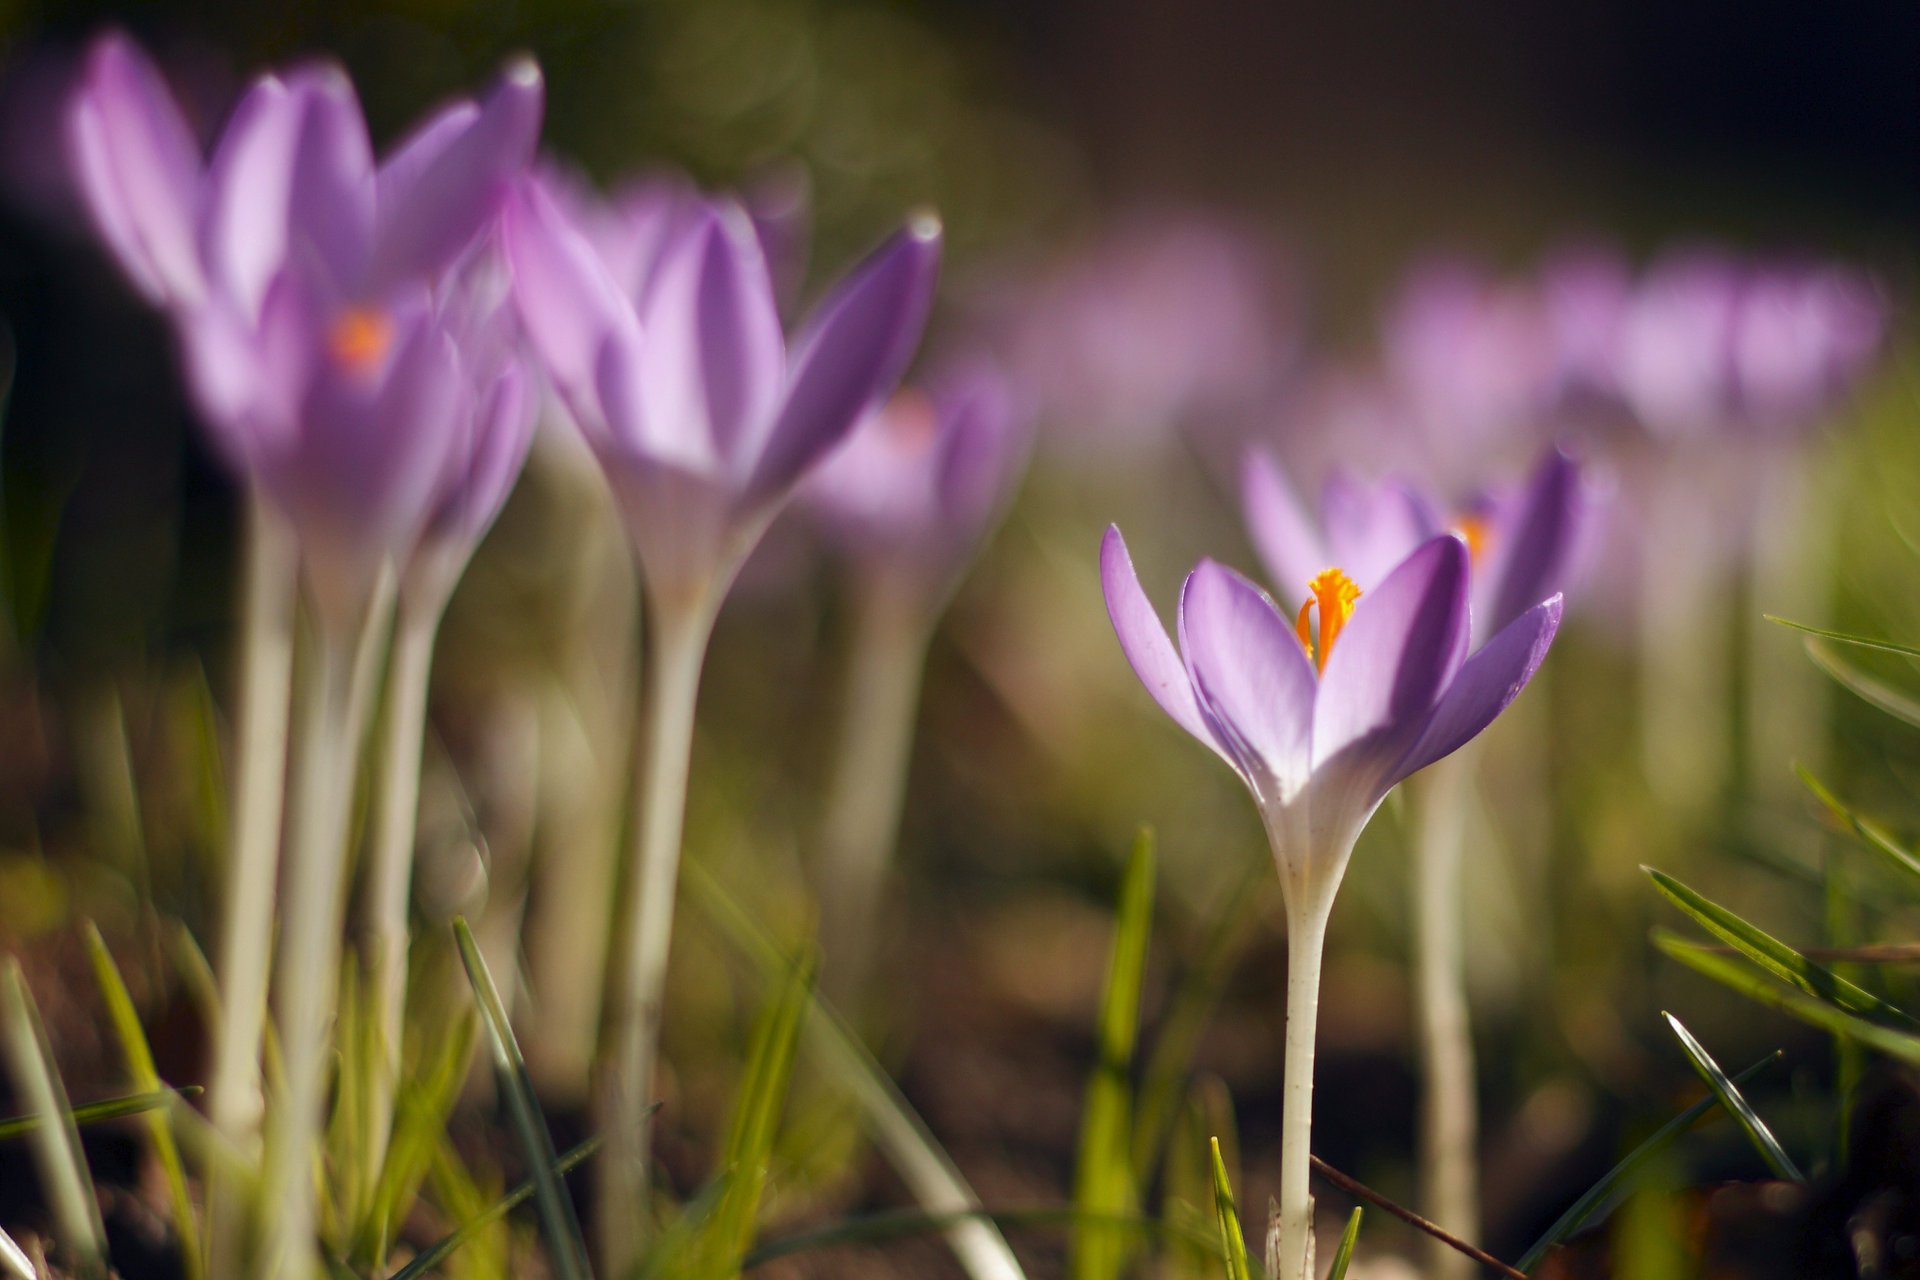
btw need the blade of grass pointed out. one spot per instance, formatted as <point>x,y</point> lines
<point>557,1218</point>
<point>1343,1256</point>
<point>144,1076</point>
<point>421,1110</point>
<point>1736,1103</point>
<point>438,1252</point>
<point>1233,1240</point>
<point>897,1128</point>
<point>132,1104</point>
<point>1842,637</point>
<point>1876,838</point>
<point>1776,957</point>
<point>1870,689</point>
<point>896,1224</point>
<point>1103,1171</point>
<point>1621,1175</point>
<point>56,1147</point>
<point>14,1260</point>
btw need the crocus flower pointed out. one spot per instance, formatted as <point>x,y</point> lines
<point>702,413</point>
<point>912,490</point>
<point>1800,337</point>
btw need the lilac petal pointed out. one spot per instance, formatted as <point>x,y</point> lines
<point>1488,682</point>
<point>1290,547</point>
<point>483,472</point>
<point>1537,547</point>
<point>250,187</point>
<point>1254,681</point>
<point>980,450</point>
<point>1403,643</point>
<point>446,182</point>
<point>567,302</point>
<point>714,356</point>
<point>1145,642</point>
<point>851,353</point>
<point>331,209</point>
<point>138,170</point>
<point>1371,528</point>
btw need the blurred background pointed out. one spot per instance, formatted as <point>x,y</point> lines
<point>1250,192</point>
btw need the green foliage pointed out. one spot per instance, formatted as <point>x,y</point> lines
<point>1233,1240</point>
<point>1736,1104</point>
<point>1343,1256</point>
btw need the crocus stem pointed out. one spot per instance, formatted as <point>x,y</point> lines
<point>390,862</point>
<point>1306,945</point>
<point>246,924</point>
<point>308,964</point>
<point>869,780</point>
<point>1449,1120</point>
<point>643,932</point>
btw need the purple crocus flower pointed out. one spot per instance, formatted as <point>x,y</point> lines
<point>913,489</point>
<point>1800,337</point>
<point>299,277</point>
<point>1525,544</point>
<point>702,413</point>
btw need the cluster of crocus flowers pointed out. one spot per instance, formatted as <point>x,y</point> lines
<point>904,503</point>
<point>340,323</point>
<point>1321,715</point>
<point>704,414</point>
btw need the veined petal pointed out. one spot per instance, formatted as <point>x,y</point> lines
<point>331,209</point>
<point>1371,528</point>
<point>567,302</point>
<point>1488,682</point>
<point>1144,640</point>
<point>1253,679</point>
<point>714,359</point>
<point>850,354</point>
<point>1290,547</point>
<point>1396,654</point>
<point>444,184</point>
<point>250,187</point>
<point>138,170</point>
<point>1536,550</point>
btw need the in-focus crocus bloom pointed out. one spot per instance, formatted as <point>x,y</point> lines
<point>1322,715</point>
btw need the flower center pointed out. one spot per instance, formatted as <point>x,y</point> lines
<point>1335,593</point>
<point>360,338</point>
<point>1478,532</point>
<point>911,419</point>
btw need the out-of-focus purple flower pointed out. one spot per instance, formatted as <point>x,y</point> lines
<point>914,487</point>
<point>1584,291</point>
<point>299,277</point>
<point>1321,726</point>
<point>780,201</point>
<point>1167,323</point>
<point>703,415</point>
<point>1525,544</point>
<point>1800,338</point>
<point>1675,368</point>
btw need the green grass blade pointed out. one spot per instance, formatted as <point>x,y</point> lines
<point>1621,1175</point>
<point>421,1109</point>
<point>1103,1172</point>
<point>1756,987</point>
<point>63,1167</point>
<point>1871,833</point>
<point>1233,1240</point>
<point>1343,1256</point>
<point>439,1251</point>
<point>14,1261</point>
<point>923,1165</point>
<point>898,1224</point>
<point>1868,688</point>
<point>557,1218</point>
<point>1842,637</point>
<point>1777,958</point>
<point>1736,1104</point>
<point>132,1104</point>
<point>146,1077</point>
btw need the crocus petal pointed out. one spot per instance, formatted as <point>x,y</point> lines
<point>332,206</point>
<point>1144,640</point>
<point>250,187</point>
<point>851,353</point>
<point>714,359</point>
<point>1536,550</point>
<point>1370,528</point>
<point>447,181</point>
<point>981,448</point>
<point>1488,682</point>
<point>1285,538</point>
<point>1404,642</point>
<point>566,300</point>
<point>482,474</point>
<point>1255,684</point>
<point>138,170</point>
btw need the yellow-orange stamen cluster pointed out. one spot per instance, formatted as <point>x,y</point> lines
<point>359,339</point>
<point>1478,532</point>
<point>1335,593</point>
<point>912,419</point>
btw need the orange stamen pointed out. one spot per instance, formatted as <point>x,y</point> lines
<point>1478,531</point>
<point>360,338</point>
<point>1335,593</point>
<point>911,418</point>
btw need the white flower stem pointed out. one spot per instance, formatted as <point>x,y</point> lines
<point>390,862</point>
<point>308,964</point>
<point>887,657</point>
<point>1449,1119</point>
<point>643,933</point>
<point>1306,947</point>
<point>246,924</point>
